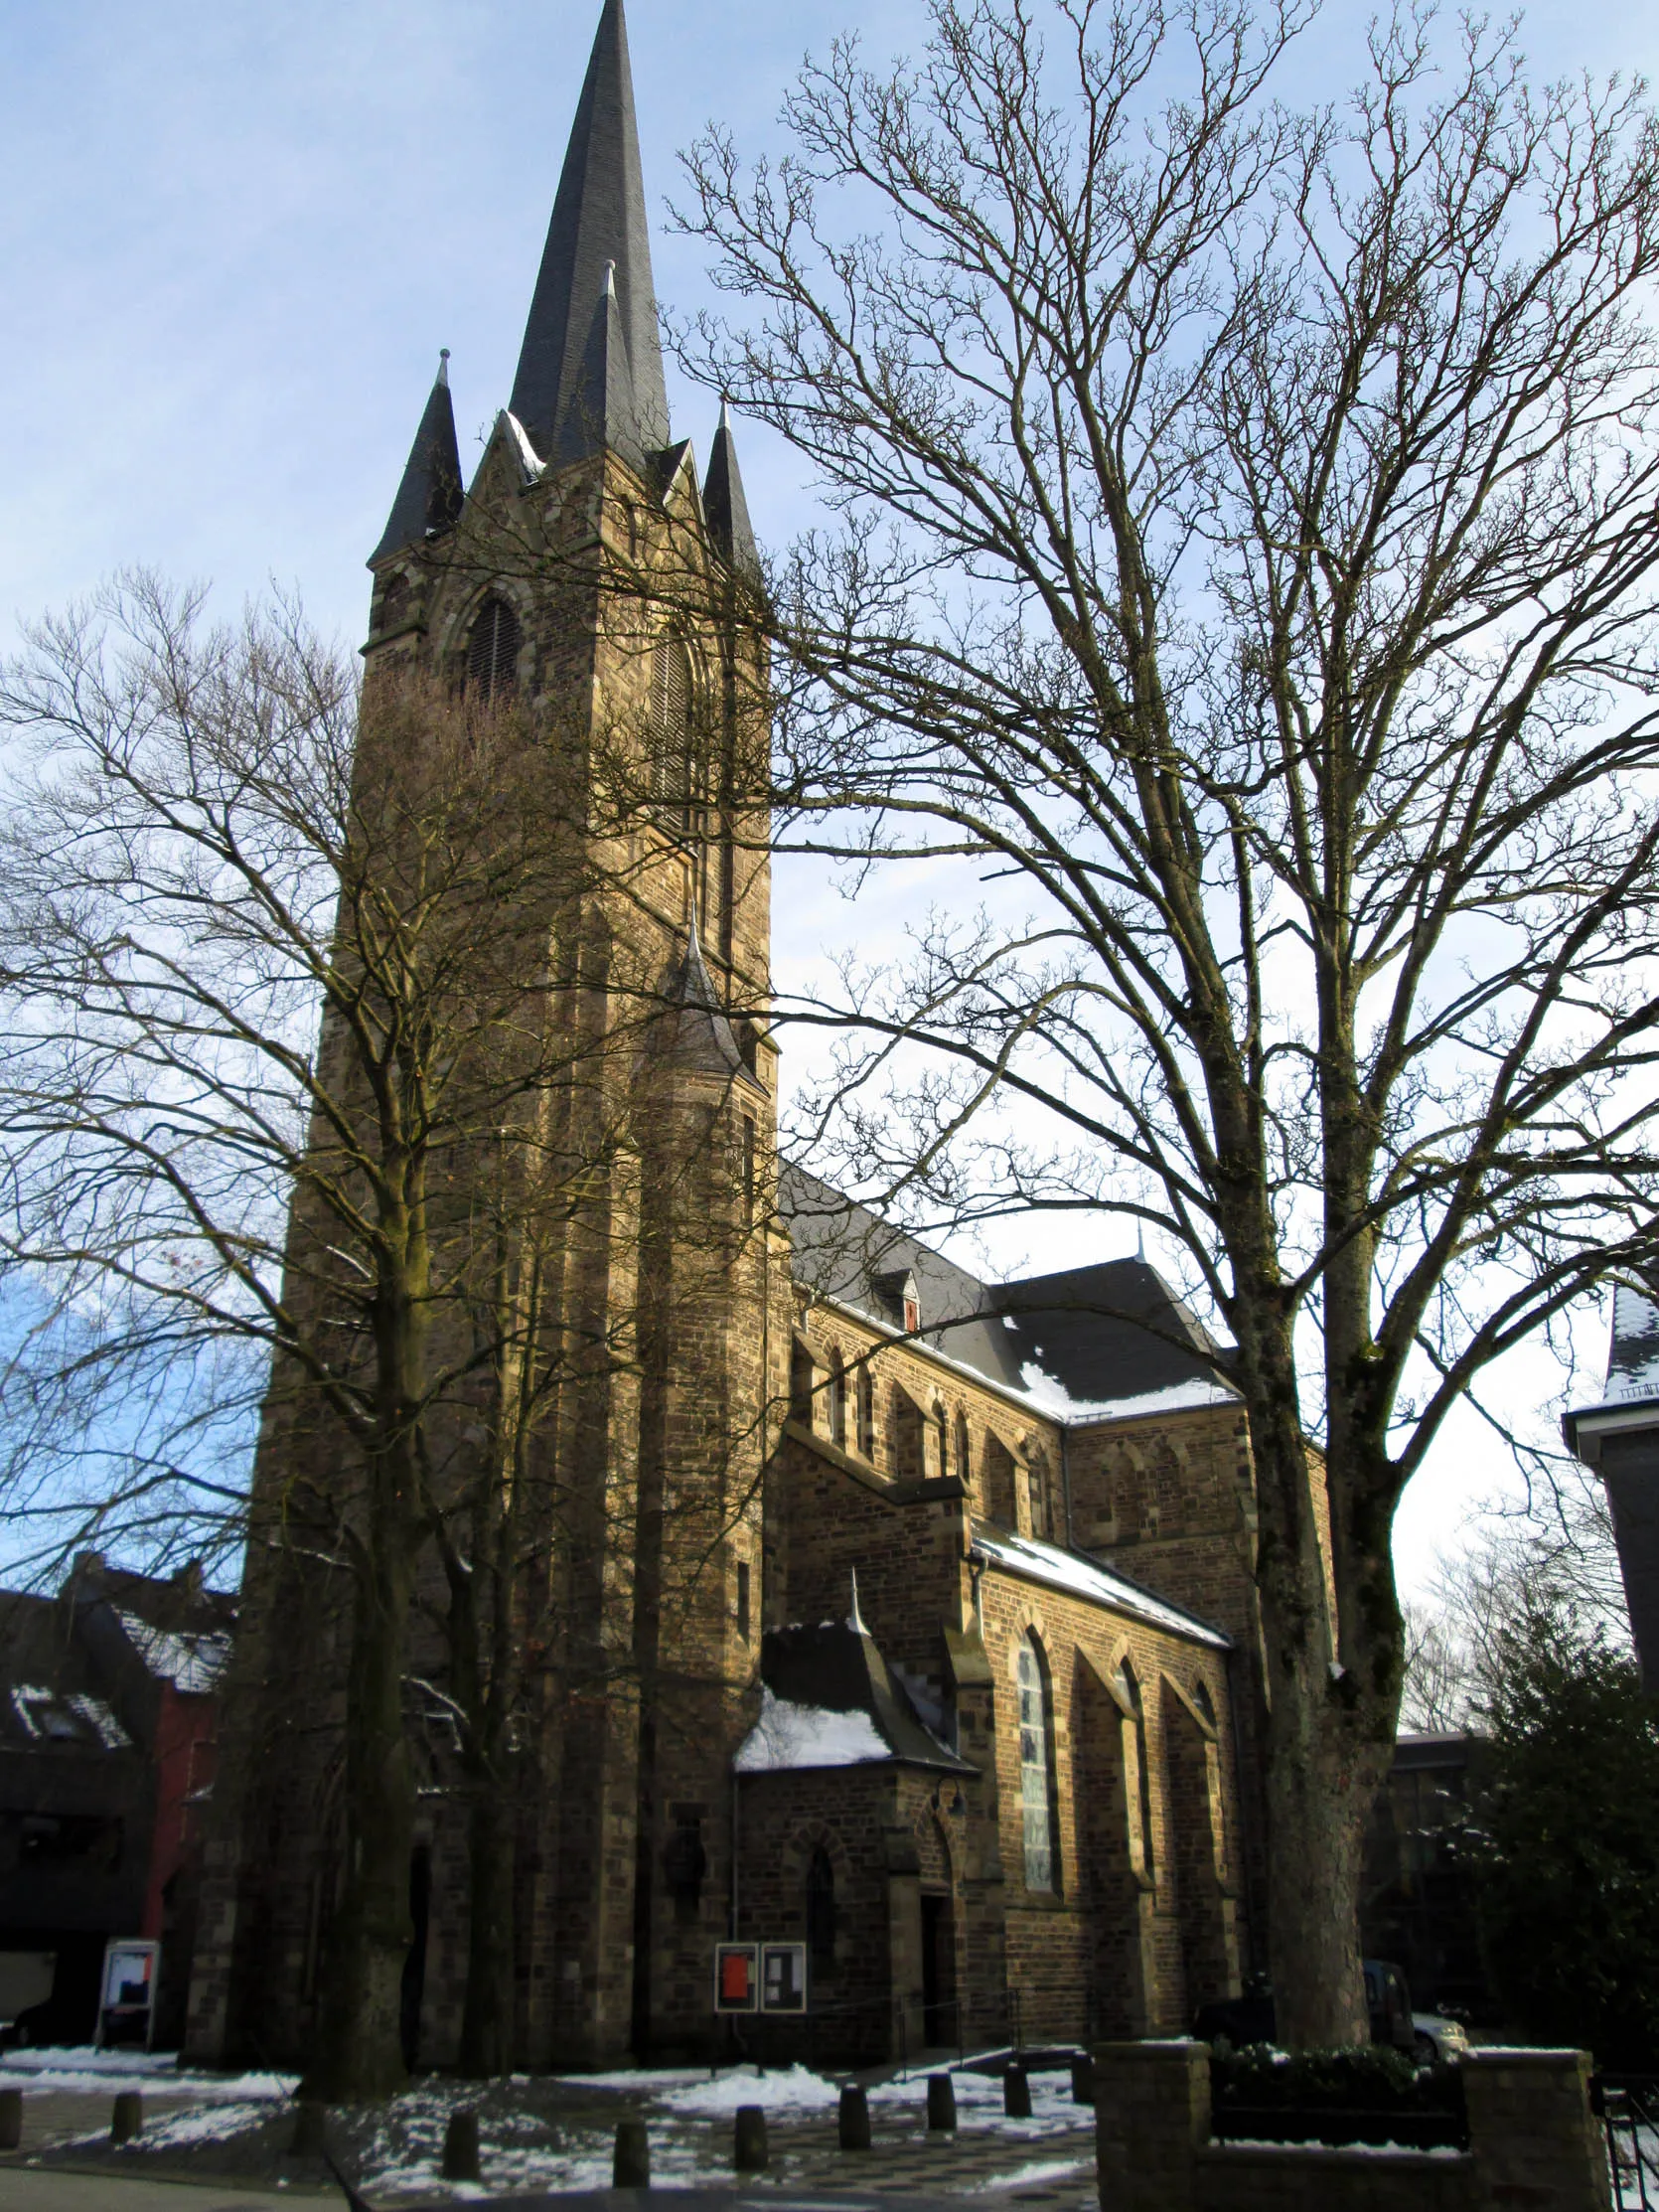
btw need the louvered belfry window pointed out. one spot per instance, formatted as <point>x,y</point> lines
<point>671,719</point>
<point>493,649</point>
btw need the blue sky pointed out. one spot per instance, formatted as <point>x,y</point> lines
<point>232,239</point>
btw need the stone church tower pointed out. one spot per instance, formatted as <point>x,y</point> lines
<point>588,577</point>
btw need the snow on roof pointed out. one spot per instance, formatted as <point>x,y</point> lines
<point>1176,1397</point>
<point>788,1736</point>
<point>1085,1578</point>
<point>46,1714</point>
<point>1633,1360</point>
<point>191,1663</point>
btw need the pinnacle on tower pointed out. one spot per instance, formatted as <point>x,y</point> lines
<point>430,497</point>
<point>598,217</point>
<point>599,408</point>
<point>701,1036</point>
<point>723,504</point>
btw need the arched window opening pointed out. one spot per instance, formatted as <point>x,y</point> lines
<point>1128,1687</point>
<point>907,1440</point>
<point>942,1429</point>
<point>493,649</point>
<point>1204,1701</point>
<point>801,1383</point>
<point>820,1915</point>
<point>960,1459</point>
<point>670,724</point>
<point>866,1411</point>
<point>1036,1791</point>
<point>837,1400</point>
<point>1039,1493</point>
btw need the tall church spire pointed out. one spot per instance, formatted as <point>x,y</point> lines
<point>598,217</point>
<point>430,497</point>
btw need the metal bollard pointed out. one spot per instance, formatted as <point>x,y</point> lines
<point>942,2102</point>
<point>310,2132</point>
<point>460,2147</point>
<point>855,2119</point>
<point>126,2118</point>
<point>1083,2080</point>
<point>11,2118</point>
<point>1016,2094</point>
<point>748,2149</point>
<point>630,2165</point>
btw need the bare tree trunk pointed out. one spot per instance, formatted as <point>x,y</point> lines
<point>359,2047</point>
<point>487,2017</point>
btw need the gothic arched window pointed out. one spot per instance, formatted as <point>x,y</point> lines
<point>1038,1490</point>
<point>493,649</point>
<point>1128,1688</point>
<point>837,1400</point>
<point>963,1461</point>
<point>671,722</point>
<point>821,1913</point>
<point>1036,1785</point>
<point>866,1411</point>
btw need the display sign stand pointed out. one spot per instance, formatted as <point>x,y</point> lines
<point>127,1991</point>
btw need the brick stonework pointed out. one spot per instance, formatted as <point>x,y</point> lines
<point>713,1478</point>
<point>1533,2141</point>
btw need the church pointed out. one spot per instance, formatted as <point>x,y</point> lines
<point>902,1687</point>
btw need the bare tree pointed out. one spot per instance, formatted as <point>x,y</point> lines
<point>1245,564</point>
<point>283,1083</point>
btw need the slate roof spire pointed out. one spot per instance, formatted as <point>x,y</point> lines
<point>725,507</point>
<point>599,215</point>
<point>430,497</point>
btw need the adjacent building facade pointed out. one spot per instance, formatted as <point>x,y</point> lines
<point>1620,1437</point>
<point>108,1755</point>
<point>887,1611</point>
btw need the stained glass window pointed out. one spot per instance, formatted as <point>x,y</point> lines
<point>1035,1795</point>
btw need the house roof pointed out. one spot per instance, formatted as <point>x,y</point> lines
<point>1630,1392</point>
<point>50,1691</point>
<point>829,1699</point>
<point>1082,1577</point>
<point>1094,1342</point>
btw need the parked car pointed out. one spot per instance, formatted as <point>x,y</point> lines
<point>1434,2037</point>
<point>1250,2018</point>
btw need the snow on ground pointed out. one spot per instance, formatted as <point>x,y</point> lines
<point>979,2103</point>
<point>1038,2170</point>
<point>88,2071</point>
<point>199,2123</point>
<point>795,2090</point>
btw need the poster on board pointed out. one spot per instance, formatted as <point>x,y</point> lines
<point>783,1978</point>
<point>736,1978</point>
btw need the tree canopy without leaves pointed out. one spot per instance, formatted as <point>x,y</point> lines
<point>1241,557</point>
<point>287,1093</point>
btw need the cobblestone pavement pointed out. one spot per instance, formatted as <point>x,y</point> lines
<point>1046,2163</point>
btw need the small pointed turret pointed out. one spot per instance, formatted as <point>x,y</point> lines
<point>430,497</point>
<point>725,507</point>
<point>598,410</point>
<point>702,1034</point>
<point>598,217</point>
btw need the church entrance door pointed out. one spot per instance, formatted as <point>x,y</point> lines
<point>939,1970</point>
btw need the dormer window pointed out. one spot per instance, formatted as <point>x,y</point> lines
<point>493,649</point>
<point>896,1294</point>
